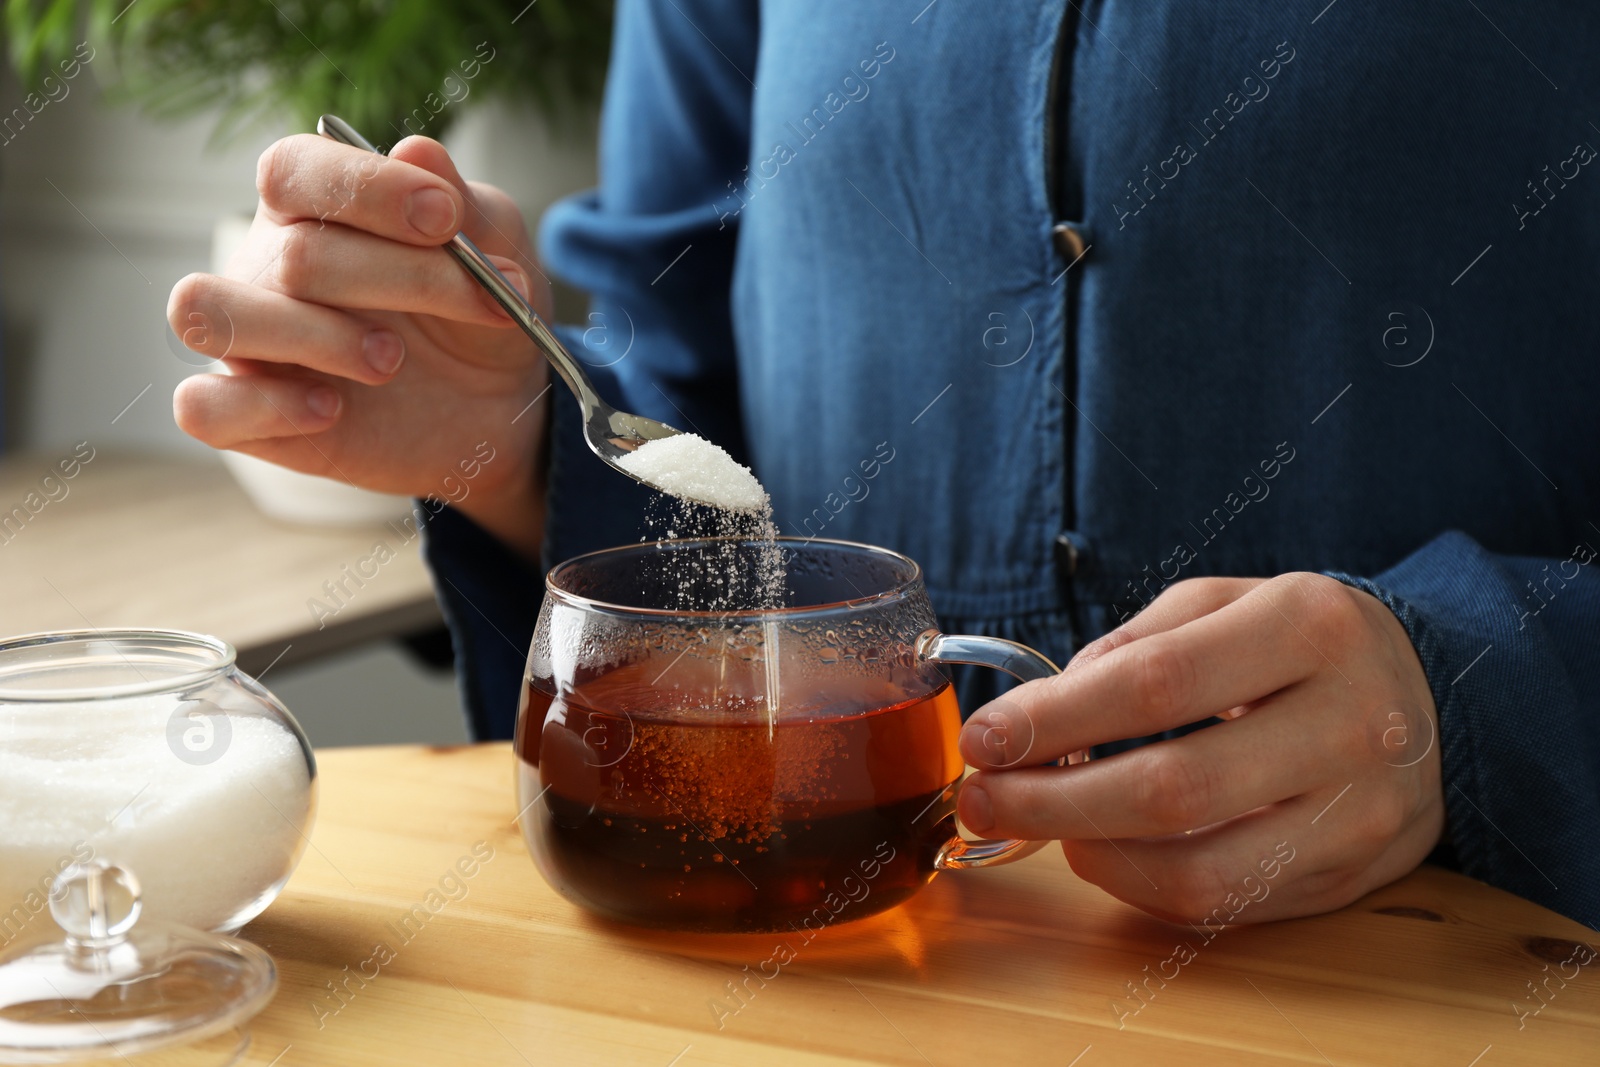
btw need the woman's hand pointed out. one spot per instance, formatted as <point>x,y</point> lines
<point>360,350</point>
<point>1328,754</point>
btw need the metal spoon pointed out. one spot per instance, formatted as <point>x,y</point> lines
<point>610,433</point>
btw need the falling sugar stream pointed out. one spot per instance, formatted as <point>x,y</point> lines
<point>770,652</point>
<point>723,500</point>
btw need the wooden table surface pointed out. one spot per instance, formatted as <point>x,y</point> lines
<point>1018,964</point>
<point>160,542</point>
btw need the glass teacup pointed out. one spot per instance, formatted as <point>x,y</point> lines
<point>778,768</point>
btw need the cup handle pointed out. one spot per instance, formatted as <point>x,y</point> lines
<point>1022,663</point>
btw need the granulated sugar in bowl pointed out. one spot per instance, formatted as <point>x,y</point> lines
<point>148,749</point>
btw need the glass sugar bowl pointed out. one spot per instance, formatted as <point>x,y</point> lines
<point>152,751</point>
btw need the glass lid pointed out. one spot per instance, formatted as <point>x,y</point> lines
<point>113,987</point>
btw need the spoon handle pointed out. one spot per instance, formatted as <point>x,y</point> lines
<point>487,275</point>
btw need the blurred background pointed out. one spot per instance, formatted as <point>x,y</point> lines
<point>129,135</point>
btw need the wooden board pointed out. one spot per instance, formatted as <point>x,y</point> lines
<point>143,541</point>
<point>1018,964</point>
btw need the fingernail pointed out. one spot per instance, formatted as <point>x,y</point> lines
<point>323,401</point>
<point>990,714</point>
<point>432,212</point>
<point>990,730</point>
<point>520,281</point>
<point>383,350</point>
<point>975,808</point>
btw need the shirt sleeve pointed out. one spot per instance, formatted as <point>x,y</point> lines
<point>655,252</point>
<point>1511,648</point>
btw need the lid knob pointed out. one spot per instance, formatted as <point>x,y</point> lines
<point>96,903</point>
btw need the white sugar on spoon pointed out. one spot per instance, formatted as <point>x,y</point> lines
<point>691,468</point>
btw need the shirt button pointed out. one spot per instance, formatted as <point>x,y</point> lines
<point>1066,555</point>
<point>1069,241</point>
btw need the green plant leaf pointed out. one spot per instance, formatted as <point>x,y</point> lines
<point>383,64</point>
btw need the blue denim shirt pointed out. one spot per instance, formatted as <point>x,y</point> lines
<point>1110,295</point>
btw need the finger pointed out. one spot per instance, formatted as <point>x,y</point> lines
<point>1167,787</point>
<point>227,319</point>
<point>1176,605</point>
<point>1307,855</point>
<point>484,221</point>
<point>493,220</point>
<point>298,453</point>
<point>491,209</point>
<point>1234,656</point>
<point>1189,879</point>
<point>306,177</point>
<point>225,411</point>
<point>1006,740</point>
<point>345,268</point>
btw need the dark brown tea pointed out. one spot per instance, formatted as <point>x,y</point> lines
<point>666,793</point>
